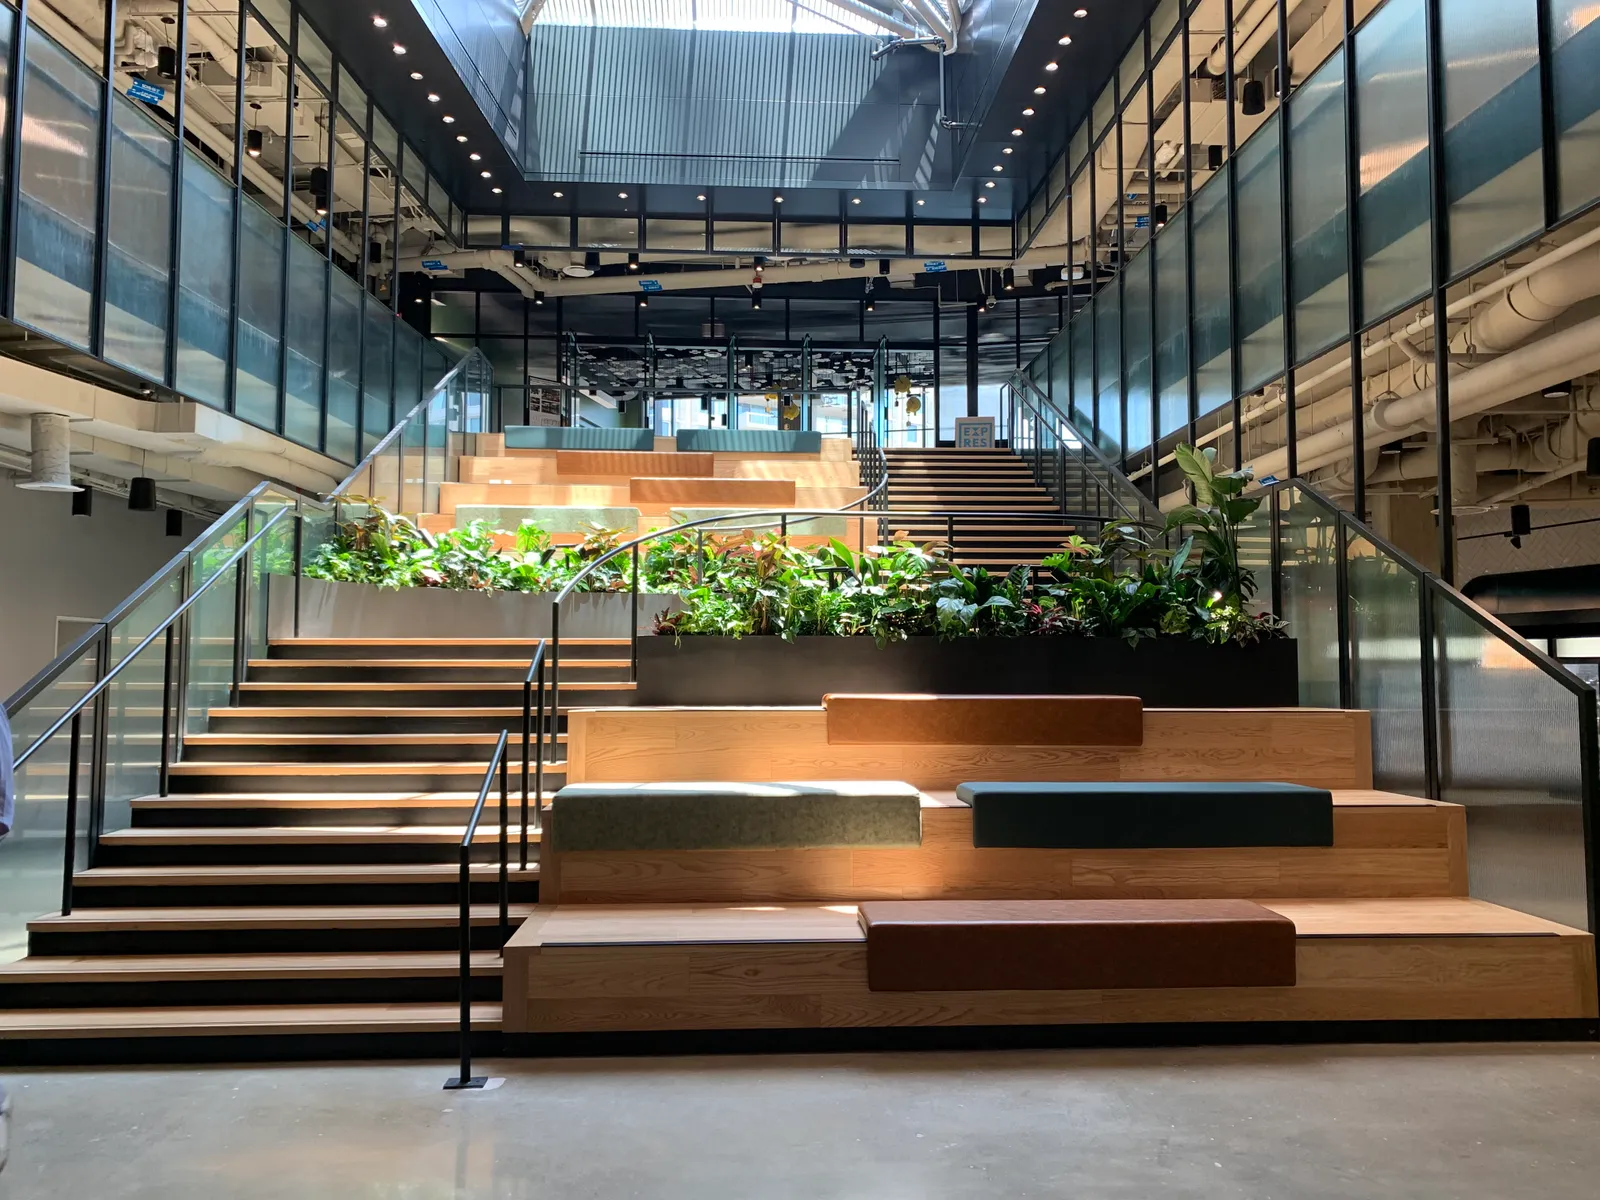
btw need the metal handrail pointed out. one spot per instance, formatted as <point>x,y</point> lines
<point>535,675</point>
<point>1044,408</point>
<point>497,765</point>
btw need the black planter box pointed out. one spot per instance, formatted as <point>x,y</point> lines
<point>1164,673</point>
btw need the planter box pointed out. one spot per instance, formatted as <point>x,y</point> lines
<point>351,610</point>
<point>1175,673</point>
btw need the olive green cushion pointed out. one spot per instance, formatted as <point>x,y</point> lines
<point>735,816</point>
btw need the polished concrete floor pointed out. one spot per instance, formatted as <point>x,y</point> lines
<point>1296,1123</point>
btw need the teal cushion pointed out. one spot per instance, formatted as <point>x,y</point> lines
<point>555,437</point>
<point>552,518</point>
<point>749,441</point>
<point>1142,816</point>
<point>735,816</point>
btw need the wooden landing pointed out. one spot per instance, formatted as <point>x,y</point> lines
<point>1383,845</point>
<point>774,966</point>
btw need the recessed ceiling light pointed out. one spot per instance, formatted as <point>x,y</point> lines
<point>998,167</point>
<point>1008,150</point>
<point>701,198</point>
<point>558,195</point>
<point>920,203</point>
<point>1052,66</point>
<point>990,184</point>
<point>433,97</point>
<point>777,199</point>
<point>1027,112</point>
<point>1038,91</point>
<point>855,199</point>
<point>474,156</point>
<point>1080,12</point>
<point>449,120</point>
<point>416,74</point>
<point>399,49</point>
<point>1016,133</point>
<point>461,137</point>
<point>622,195</point>
<point>497,191</point>
<point>380,21</point>
<point>487,174</point>
<point>1065,41</point>
<point>983,199</point>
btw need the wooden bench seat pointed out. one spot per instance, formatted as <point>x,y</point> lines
<point>1161,814</point>
<point>858,719</point>
<point>1070,945</point>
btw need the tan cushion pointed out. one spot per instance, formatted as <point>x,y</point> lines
<point>1065,945</point>
<point>631,463</point>
<point>713,493</point>
<point>985,720</point>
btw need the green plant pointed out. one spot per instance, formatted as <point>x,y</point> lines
<point>1214,517</point>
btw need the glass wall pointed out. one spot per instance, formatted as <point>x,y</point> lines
<point>1288,197</point>
<point>207,271</point>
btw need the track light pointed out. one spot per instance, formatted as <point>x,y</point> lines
<point>167,62</point>
<point>755,302</point>
<point>253,141</point>
<point>871,304</point>
<point>538,299</point>
<point>1158,216</point>
<point>633,262</point>
<point>83,503</point>
<point>883,266</point>
<point>174,523</point>
<point>1009,279</point>
<point>142,494</point>
<point>1592,469</point>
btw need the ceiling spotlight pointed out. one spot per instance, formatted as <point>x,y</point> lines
<point>416,74</point>
<point>474,156</point>
<point>497,190</point>
<point>855,199</point>
<point>1065,41</point>
<point>701,198</point>
<point>633,262</point>
<point>558,195</point>
<point>379,21</point>
<point>1027,112</point>
<point>998,167</point>
<point>983,199</point>
<point>622,195</point>
<point>1016,133</point>
<point>989,184</point>
<point>461,137</point>
<point>1038,91</point>
<point>920,203</point>
<point>487,174</point>
<point>433,97</point>
<point>1080,12</point>
<point>253,142</point>
<point>1050,66</point>
<point>777,199</point>
<point>399,49</point>
<point>449,120</point>
<point>1557,391</point>
<point>1007,150</point>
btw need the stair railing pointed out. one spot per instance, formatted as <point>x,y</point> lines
<point>497,766</point>
<point>213,608</point>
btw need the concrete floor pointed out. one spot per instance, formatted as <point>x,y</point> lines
<point>1296,1123</point>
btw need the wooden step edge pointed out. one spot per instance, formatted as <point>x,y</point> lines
<point>330,835</point>
<point>359,739</point>
<point>163,968</point>
<point>282,1020</point>
<point>298,874</point>
<point>224,801</point>
<point>441,685</point>
<point>364,916</point>
<point>468,767</point>
<point>498,664</point>
<point>531,643</point>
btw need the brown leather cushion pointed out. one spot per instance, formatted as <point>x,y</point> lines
<point>985,720</point>
<point>1064,945</point>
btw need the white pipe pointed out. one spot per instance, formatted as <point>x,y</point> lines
<point>1245,26</point>
<point>200,32</point>
<point>873,16</point>
<point>50,450</point>
<point>1536,481</point>
<point>936,21</point>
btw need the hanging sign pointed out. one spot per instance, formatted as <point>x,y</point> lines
<point>935,267</point>
<point>649,285</point>
<point>148,92</point>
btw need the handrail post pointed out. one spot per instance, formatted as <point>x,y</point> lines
<point>538,770</point>
<point>527,749</point>
<point>633,632</point>
<point>505,849</point>
<point>465,1080</point>
<point>100,749</point>
<point>71,851</point>
<point>166,716</point>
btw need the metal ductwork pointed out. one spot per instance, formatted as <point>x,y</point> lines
<point>51,455</point>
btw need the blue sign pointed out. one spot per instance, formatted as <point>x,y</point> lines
<point>1267,480</point>
<point>148,92</point>
<point>434,264</point>
<point>1141,222</point>
<point>649,285</point>
<point>935,267</point>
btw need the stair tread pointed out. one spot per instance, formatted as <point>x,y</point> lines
<point>356,739</point>
<point>430,641</point>
<point>229,835</point>
<point>158,968</point>
<point>267,711</point>
<point>237,1020</point>
<point>341,916</point>
<point>506,663</point>
<point>471,767</point>
<point>298,873</point>
<point>248,800</point>
<point>346,685</point>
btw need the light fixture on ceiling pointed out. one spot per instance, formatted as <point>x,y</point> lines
<point>920,203</point>
<point>871,304</point>
<point>538,299</point>
<point>755,302</point>
<point>1064,40</point>
<point>1016,133</point>
<point>855,199</point>
<point>1080,12</point>
<point>416,75</point>
<point>461,137</point>
<point>142,494</point>
<point>1253,98</point>
<point>998,167</point>
<point>399,49</point>
<point>433,97</point>
<point>777,199</point>
<point>558,195</point>
<point>449,120</point>
<point>633,262</point>
<point>1027,112</point>
<point>1051,66</point>
<point>1038,91</point>
<point>1009,279</point>
<point>497,190</point>
<point>983,199</point>
<point>486,174</point>
<point>1558,391</point>
<point>989,184</point>
<point>1008,150</point>
<point>701,197</point>
<point>1158,216</point>
<point>253,142</point>
<point>644,300</point>
<point>380,21</point>
<point>474,156</point>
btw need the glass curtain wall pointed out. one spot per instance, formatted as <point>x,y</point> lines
<point>1253,216</point>
<point>227,234</point>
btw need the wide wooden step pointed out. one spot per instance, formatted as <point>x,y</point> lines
<point>294,874</point>
<point>357,916</point>
<point>161,968</point>
<point>321,835</point>
<point>243,1021</point>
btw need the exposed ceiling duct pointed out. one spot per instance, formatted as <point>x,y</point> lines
<point>50,468</point>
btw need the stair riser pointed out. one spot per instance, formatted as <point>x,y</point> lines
<point>182,993</point>
<point>337,752</point>
<point>569,651</point>
<point>261,941</point>
<point>312,783</point>
<point>289,672</point>
<point>285,895</point>
<point>512,719</point>
<point>134,854</point>
<point>464,697</point>
<point>230,817</point>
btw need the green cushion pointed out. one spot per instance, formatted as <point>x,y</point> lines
<point>750,441</point>
<point>1139,816</point>
<point>556,437</point>
<point>812,526</point>
<point>552,518</point>
<point>735,816</point>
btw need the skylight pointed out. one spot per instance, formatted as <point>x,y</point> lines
<point>740,16</point>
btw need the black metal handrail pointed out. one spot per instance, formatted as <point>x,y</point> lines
<point>534,677</point>
<point>1092,463</point>
<point>497,765</point>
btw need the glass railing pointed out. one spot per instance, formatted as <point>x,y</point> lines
<point>118,704</point>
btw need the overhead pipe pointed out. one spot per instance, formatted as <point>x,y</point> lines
<point>873,16</point>
<point>937,21</point>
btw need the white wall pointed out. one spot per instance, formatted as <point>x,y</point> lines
<point>54,564</point>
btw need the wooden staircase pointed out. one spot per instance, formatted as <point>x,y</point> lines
<point>302,875</point>
<point>978,481</point>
